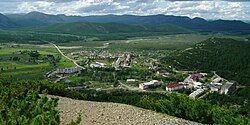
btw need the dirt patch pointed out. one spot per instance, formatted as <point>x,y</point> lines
<point>103,113</point>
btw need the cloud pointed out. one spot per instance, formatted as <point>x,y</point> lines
<point>209,9</point>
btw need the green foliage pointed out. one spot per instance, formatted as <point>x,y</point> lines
<point>228,57</point>
<point>66,32</point>
<point>77,121</point>
<point>174,104</point>
<point>20,104</point>
<point>14,36</point>
<point>108,28</point>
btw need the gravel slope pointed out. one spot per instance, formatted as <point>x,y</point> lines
<point>102,113</point>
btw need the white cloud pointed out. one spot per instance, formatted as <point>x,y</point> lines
<point>211,9</point>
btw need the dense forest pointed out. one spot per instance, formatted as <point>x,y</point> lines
<point>38,109</point>
<point>21,104</point>
<point>228,57</point>
<point>13,36</point>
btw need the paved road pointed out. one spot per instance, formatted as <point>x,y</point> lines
<point>74,61</point>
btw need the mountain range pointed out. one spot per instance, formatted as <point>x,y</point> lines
<point>35,19</point>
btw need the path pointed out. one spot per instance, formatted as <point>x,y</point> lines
<point>74,61</point>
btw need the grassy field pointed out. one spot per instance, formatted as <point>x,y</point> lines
<point>168,42</point>
<point>149,47</point>
<point>23,68</point>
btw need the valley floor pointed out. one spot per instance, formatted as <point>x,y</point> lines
<point>103,113</point>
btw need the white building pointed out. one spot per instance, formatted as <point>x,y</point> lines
<point>197,85</point>
<point>175,86</point>
<point>97,65</point>
<point>229,87</point>
<point>150,84</point>
<point>69,70</point>
<point>131,80</point>
<point>196,93</point>
<point>217,80</point>
<point>215,88</point>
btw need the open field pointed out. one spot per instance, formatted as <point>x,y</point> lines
<point>16,64</point>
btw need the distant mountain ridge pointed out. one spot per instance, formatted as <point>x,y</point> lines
<point>34,19</point>
<point>86,28</point>
<point>199,24</point>
<point>5,21</point>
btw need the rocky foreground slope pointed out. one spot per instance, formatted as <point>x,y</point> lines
<point>102,113</point>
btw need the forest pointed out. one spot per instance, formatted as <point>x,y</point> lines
<point>228,57</point>
<point>43,109</point>
<point>21,104</point>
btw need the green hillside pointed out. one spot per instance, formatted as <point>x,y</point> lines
<point>230,58</point>
<point>109,31</point>
<point>103,28</point>
<point>15,36</point>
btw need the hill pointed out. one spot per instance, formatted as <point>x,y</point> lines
<point>34,19</point>
<point>230,58</point>
<point>115,113</point>
<point>5,22</point>
<point>199,24</point>
<point>107,28</point>
<point>107,31</point>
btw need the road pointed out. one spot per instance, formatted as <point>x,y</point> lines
<point>74,61</point>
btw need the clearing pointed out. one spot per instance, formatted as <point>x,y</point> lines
<point>103,113</point>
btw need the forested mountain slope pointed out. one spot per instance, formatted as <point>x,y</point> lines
<point>5,21</point>
<point>198,24</point>
<point>105,28</point>
<point>34,19</point>
<point>230,58</point>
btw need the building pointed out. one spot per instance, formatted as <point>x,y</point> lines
<point>196,93</point>
<point>228,88</point>
<point>197,85</point>
<point>215,87</point>
<point>97,65</point>
<point>163,73</point>
<point>77,88</point>
<point>175,86</point>
<point>131,80</point>
<point>150,84</point>
<point>218,80</point>
<point>196,77</point>
<point>69,70</point>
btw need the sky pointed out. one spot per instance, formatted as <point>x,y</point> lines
<point>208,9</point>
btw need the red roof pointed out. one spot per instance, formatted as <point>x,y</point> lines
<point>196,76</point>
<point>175,85</point>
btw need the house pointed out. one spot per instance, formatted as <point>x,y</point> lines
<point>218,80</point>
<point>124,61</point>
<point>77,88</point>
<point>150,84</point>
<point>175,86</point>
<point>215,87</point>
<point>163,73</point>
<point>131,80</point>
<point>69,70</point>
<point>196,77</point>
<point>228,88</point>
<point>97,65</point>
<point>197,85</point>
<point>196,93</point>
